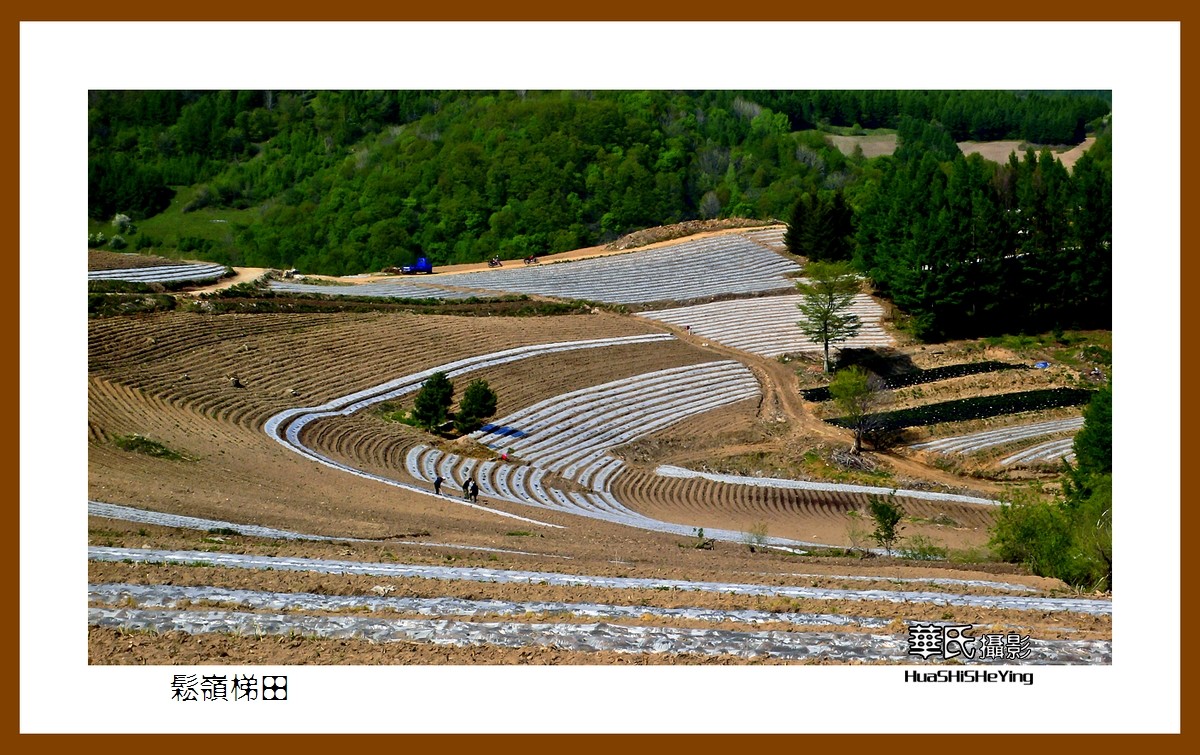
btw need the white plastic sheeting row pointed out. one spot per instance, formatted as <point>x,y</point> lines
<point>667,470</point>
<point>969,443</point>
<point>175,596</point>
<point>162,274</point>
<point>694,269</point>
<point>1063,448</point>
<point>525,484</point>
<point>142,516</point>
<point>769,326</point>
<point>570,435</point>
<point>387,289</point>
<point>592,637</point>
<point>508,576</point>
<point>286,426</point>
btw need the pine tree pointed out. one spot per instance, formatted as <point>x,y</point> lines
<point>796,239</point>
<point>478,403</point>
<point>432,404</point>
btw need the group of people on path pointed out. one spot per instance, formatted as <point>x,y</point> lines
<point>469,486</point>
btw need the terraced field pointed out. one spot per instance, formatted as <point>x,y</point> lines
<point>101,259</point>
<point>712,266</point>
<point>771,237</point>
<point>1048,451</point>
<point>161,273</point>
<point>387,289</point>
<point>292,507</point>
<point>769,326</point>
<point>433,612</point>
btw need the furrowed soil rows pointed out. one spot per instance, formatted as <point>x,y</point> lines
<point>99,259</point>
<point>586,538</point>
<point>278,358</point>
<point>518,386</point>
<point>798,514</point>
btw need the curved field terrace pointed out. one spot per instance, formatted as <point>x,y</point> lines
<point>387,289</point>
<point>711,266</point>
<point>199,272</point>
<point>1046,452</point>
<point>286,517</point>
<point>769,326</point>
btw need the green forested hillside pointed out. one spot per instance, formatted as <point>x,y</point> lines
<point>343,182</point>
<point>967,246</point>
<point>348,182</point>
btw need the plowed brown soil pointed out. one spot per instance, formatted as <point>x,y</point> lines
<point>101,259</point>
<point>170,377</point>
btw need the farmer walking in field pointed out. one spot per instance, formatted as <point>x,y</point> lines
<point>437,484</point>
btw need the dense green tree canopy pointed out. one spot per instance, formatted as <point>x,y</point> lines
<point>967,247</point>
<point>432,405</point>
<point>478,403</point>
<point>1093,444</point>
<point>350,181</point>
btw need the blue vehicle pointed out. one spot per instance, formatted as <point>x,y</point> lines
<point>422,265</point>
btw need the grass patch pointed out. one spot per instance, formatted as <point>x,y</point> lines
<point>143,445</point>
<point>174,230</point>
<point>393,413</point>
<point>1070,347</point>
<point>755,536</point>
<point>974,555</point>
<point>120,287</point>
<point>520,533</point>
<point>852,131</point>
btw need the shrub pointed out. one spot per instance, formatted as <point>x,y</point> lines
<point>195,244</point>
<point>887,516</point>
<point>1093,444</point>
<point>118,243</point>
<point>1097,354</point>
<point>755,536</point>
<point>203,198</point>
<point>921,548</point>
<point>1034,533</point>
